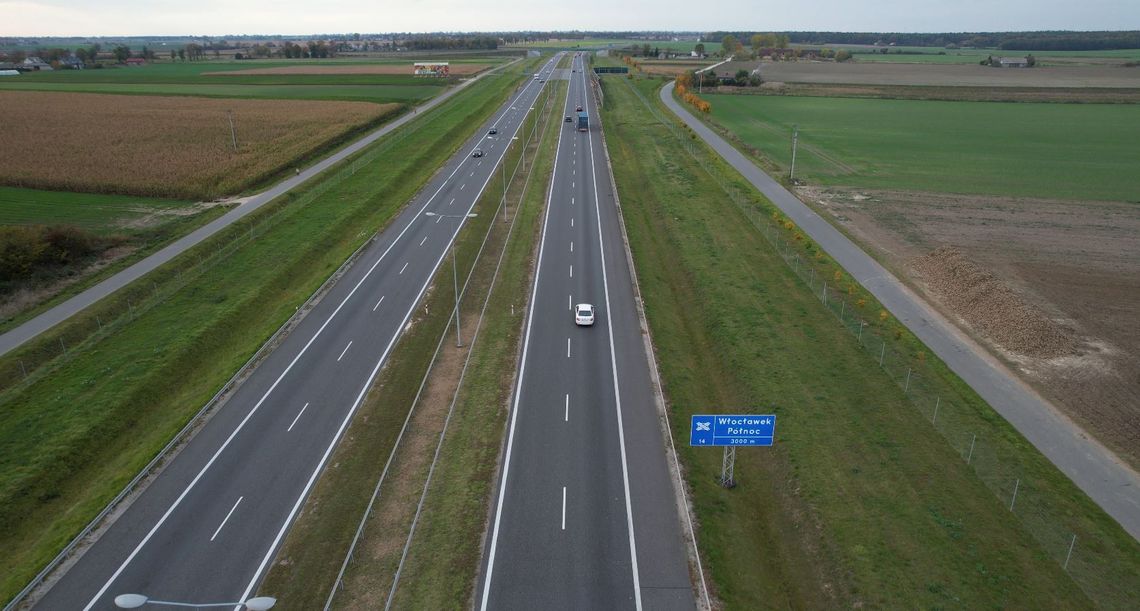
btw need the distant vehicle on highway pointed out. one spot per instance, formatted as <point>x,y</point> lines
<point>579,109</point>
<point>569,119</point>
<point>492,131</point>
<point>584,315</point>
<point>477,153</point>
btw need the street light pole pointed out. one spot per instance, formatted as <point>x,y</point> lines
<point>454,270</point>
<point>134,601</point>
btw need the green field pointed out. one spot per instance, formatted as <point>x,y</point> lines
<point>94,212</point>
<point>861,503</point>
<point>143,361</point>
<point>192,78</point>
<point>1066,151</point>
<point>973,56</point>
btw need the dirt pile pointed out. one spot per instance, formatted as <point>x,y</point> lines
<point>990,306</point>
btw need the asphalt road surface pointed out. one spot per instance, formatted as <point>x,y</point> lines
<point>1108,481</point>
<point>585,515</point>
<point>52,317</point>
<point>205,530</point>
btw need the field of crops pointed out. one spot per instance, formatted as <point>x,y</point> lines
<point>165,146</point>
<point>1064,151</point>
<point>381,82</point>
<point>973,56</point>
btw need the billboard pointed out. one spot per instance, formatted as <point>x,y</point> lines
<point>431,69</point>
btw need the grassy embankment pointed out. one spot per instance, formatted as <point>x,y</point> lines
<point>444,556</point>
<point>1061,151</point>
<point>73,438</point>
<point>861,500</point>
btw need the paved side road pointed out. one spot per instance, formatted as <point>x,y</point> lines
<point>28,330</point>
<point>1105,478</point>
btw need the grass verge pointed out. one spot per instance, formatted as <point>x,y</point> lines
<point>861,501</point>
<point>76,432</point>
<point>306,568</point>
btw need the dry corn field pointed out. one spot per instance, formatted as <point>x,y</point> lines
<point>163,146</point>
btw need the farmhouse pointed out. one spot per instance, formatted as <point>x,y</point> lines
<point>35,64</point>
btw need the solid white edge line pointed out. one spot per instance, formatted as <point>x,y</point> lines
<point>522,372</point>
<point>613,365</point>
<point>294,423</point>
<point>227,518</point>
<point>241,425</point>
<point>345,351</point>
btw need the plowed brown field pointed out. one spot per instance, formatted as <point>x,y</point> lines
<point>164,146</point>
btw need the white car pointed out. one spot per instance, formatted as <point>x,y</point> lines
<point>584,315</point>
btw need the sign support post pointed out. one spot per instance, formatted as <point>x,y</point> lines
<point>727,467</point>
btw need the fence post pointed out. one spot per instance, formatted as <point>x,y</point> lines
<point>882,353</point>
<point>62,345</point>
<point>1016,485</point>
<point>971,454</point>
<point>937,402</point>
<point>862,324</point>
<point>824,295</point>
<point>906,388</point>
<point>842,309</point>
<point>23,369</point>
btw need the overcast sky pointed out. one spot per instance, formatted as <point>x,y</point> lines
<point>221,17</point>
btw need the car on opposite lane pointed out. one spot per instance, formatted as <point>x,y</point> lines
<point>584,315</point>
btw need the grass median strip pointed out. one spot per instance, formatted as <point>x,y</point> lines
<point>75,435</point>
<point>306,568</point>
<point>860,502</point>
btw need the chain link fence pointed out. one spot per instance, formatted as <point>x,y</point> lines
<point>1103,568</point>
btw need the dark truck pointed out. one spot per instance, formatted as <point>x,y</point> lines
<point>583,122</point>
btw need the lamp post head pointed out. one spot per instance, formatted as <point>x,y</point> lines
<point>261,603</point>
<point>130,601</point>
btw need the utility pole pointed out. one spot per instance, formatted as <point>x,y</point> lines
<point>233,132</point>
<point>795,141</point>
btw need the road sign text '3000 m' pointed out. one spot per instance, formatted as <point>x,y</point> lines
<point>733,430</point>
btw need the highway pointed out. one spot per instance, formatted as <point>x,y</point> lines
<point>584,516</point>
<point>26,331</point>
<point>205,530</point>
<point>1108,481</point>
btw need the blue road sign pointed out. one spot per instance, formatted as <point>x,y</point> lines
<point>733,430</point>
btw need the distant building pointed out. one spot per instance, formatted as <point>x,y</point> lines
<point>72,62</point>
<point>35,64</point>
<point>135,61</point>
<point>1013,62</point>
